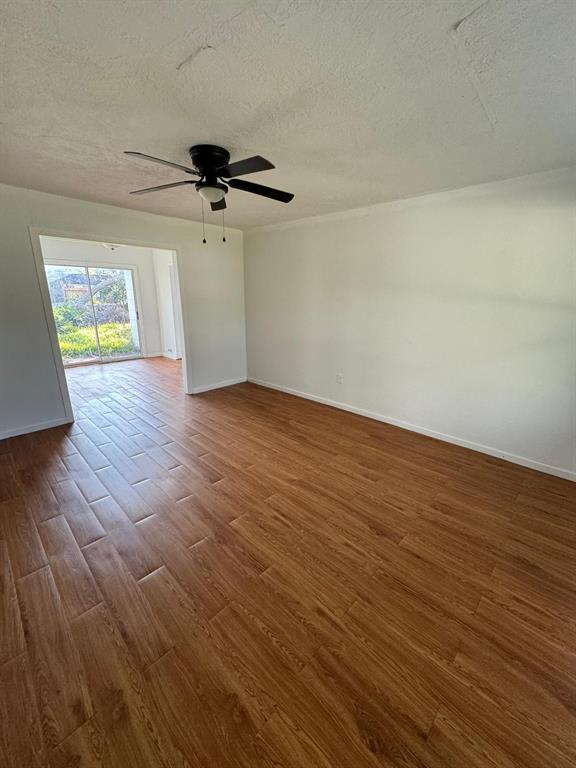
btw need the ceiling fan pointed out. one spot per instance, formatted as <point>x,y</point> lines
<point>212,164</point>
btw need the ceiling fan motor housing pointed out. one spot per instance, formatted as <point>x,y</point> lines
<point>207,159</point>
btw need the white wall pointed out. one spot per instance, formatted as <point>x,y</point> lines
<point>88,253</point>
<point>211,282</point>
<point>453,313</point>
<point>167,309</point>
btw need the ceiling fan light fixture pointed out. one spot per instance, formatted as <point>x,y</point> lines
<point>213,167</point>
<point>212,193</point>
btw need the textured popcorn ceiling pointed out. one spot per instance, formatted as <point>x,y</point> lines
<point>355,101</point>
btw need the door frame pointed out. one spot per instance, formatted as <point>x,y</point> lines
<point>136,284</point>
<point>35,233</point>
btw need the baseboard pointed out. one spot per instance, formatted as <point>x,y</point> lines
<point>566,474</point>
<point>218,385</point>
<point>4,434</point>
<point>162,354</point>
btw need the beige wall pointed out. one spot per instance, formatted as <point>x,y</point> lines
<point>453,313</point>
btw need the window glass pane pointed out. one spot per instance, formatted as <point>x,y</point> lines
<point>70,295</point>
<point>115,311</point>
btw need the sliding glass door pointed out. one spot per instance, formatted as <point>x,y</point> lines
<point>115,312</point>
<point>95,312</point>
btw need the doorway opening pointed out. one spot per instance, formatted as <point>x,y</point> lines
<point>112,302</point>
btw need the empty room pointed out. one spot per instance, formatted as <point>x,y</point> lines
<point>287,384</point>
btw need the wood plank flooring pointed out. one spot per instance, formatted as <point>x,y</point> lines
<point>246,579</point>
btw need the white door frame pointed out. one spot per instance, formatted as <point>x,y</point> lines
<point>35,234</point>
<point>176,308</point>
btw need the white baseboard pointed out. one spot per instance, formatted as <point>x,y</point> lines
<point>4,434</point>
<point>162,354</point>
<point>218,385</point>
<point>505,455</point>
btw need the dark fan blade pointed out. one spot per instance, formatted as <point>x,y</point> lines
<point>258,189</point>
<point>242,167</point>
<point>219,206</point>
<point>162,186</point>
<point>162,162</point>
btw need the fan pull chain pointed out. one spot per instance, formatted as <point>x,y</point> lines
<point>203,230</point>
<point>223,228</point>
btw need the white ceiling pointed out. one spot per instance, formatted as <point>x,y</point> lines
<point>354,101</point>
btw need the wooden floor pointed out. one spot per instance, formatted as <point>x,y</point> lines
<point>244,578</point>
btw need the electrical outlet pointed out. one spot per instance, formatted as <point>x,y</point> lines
<point>339,378</point>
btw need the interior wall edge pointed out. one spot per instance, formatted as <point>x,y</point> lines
<point>508,184</point>
<point>523,461</point>
<point>217,385</point>
<point>113,208</point>
<point>5,434</point>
